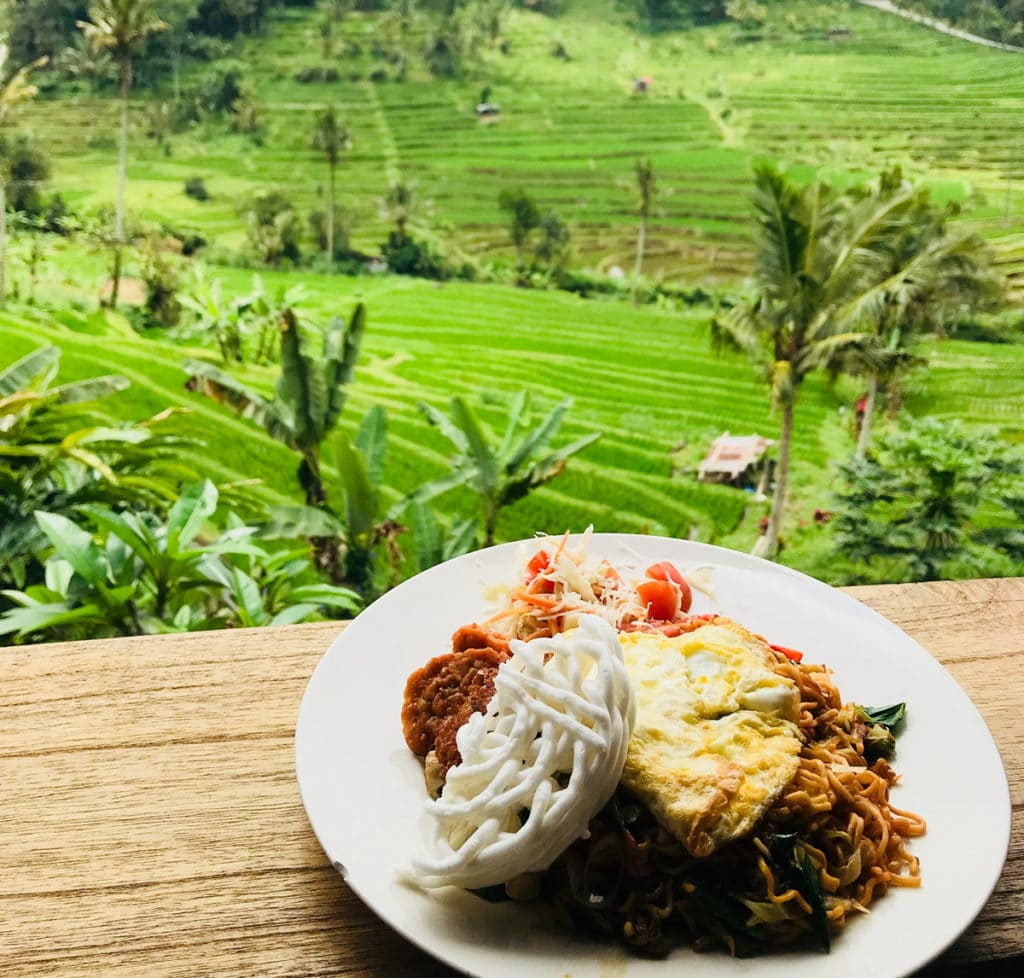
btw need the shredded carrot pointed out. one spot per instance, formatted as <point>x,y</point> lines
<point>545,601</point>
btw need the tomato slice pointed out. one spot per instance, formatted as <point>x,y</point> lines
<point>660,598</point>
<point>539,563</point>
<point>664,570</point>
<point>791,654</point>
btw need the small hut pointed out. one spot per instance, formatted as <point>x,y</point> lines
<point>738,460</point>
<point>488,112</point>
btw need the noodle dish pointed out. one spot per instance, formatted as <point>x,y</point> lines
<point>656,777</point>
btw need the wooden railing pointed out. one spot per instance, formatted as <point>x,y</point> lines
<point>151,823</point>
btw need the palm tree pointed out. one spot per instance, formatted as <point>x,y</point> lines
<point>646,185</point>
<point>121,27</point>
<point>397,26</point>
<point>178,14</point>
<point>330,137</point>
<point>922,273</point>
<point>813,258</point>
<point>13,91</point>
<point>499,473</point>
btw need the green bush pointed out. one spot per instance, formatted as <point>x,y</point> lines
<point>58,451</point>
<point>408,256</point>
<point>128,573</point>
<point>195,187</point>
<point>27,167</point>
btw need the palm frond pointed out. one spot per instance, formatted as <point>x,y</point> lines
<point>33,371</point>
<point>783,235</point>
<point>222,388</point>
<point>738,329</point>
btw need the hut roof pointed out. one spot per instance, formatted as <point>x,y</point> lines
<point>732,455</point>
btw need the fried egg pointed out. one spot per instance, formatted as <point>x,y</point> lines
<point>715,740</point>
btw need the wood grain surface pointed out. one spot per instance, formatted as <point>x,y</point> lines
<point>151,824</point>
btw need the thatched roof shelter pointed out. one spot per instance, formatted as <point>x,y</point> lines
<point>732,457</point>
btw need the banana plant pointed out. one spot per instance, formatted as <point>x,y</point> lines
<point>308,396</point>
<point>245,327</point>
<point>433,541</point>
<point>498,472</point>
<point>370,534</point>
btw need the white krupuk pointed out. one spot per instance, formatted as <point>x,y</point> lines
<point>542,761</point>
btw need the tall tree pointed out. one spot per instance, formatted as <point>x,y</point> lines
<point>13,90</point>
<point>121,27</point>
<point>645,184</point>
<point>524,216</point>
<point>331,138</point>
<point>397,27</point>
<point>812,260</point>
<point>923,275</point>
<point>178,14</point>
<point>332,15</point>
<point>398,204</point>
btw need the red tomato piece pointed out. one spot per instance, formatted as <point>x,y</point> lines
<point>666,571</point>
<point>661,598</point>
<point>539,563</point>
<point>791,654</point>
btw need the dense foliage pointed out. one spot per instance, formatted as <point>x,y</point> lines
<point>47,27</point>
<point>133,573</point>
<point>910,511</point>
<point>999,20</point>
<point>849,281</point>
<point>58,451</point>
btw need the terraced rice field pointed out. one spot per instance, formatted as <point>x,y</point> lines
<point>828,88</point>
<point>647,384</point>
<point>646,379</point>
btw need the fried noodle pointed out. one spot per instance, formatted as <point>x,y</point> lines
<point>827,848</point>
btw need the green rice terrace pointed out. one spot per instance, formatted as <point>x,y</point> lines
<point>822,143</point>
<point>838,88</point>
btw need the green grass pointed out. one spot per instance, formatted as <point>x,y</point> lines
<point>888,92</point>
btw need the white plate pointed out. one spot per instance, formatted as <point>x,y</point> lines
<point>364,791</point>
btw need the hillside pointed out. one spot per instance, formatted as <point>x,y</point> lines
<point>839,88</point>
<point>646,378</point>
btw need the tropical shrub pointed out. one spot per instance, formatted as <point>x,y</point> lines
<point>273,228</point>
<point>308,396</point>
<point>26,167</point>
<point>308,399</point>
<point>245,328</point>
<point>162,281</point>
<point>371,548</point>
<point>135,574</point>
<point>58,451</point>
<point>935,500</point>
<point>498,472</point>
<point>407,255</point>
<point>195,187</point>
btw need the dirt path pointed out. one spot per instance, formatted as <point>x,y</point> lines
<point>938,25</point>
